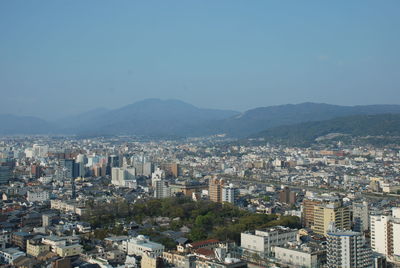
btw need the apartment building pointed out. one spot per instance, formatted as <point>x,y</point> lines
<point>261,242</point>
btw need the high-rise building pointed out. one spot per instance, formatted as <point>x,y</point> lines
<point>139,166</point>
<point>385,235</point>
<point>286,196</point>
<point>332,212</point>
<point>174,167</point>
<point>81,160</point>
<point>36,171</point>
<point>161,188</point>
<point>112,161</point>
<point>120,176</point>
<point>308,207</point>
<point>69,168</point>
<point>148,169</point>
<point>229,194</point>
<point>6,168</point>
<point>40,150</point>
<point>215,189</point>
<point>347,249</point>
<point>360,217</point>
<point>99,170</point>
<point>308,211</point>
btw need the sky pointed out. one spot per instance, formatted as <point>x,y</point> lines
<point>65,57</point>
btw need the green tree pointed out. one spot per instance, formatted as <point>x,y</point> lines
<point>197,233</point>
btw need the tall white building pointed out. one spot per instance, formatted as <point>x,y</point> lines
<point>229,194</point>
<point>385,235</point>
<point>121,176</point>
<point>157,175</point>
<point>346,249</point>
<point>161,188</point>
<point>40,150</point>
<point>28,152</point>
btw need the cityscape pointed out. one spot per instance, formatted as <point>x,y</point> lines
<point>197,202</point>
<point>199,134</point>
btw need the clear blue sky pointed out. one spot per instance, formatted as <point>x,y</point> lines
<point>64,57</point>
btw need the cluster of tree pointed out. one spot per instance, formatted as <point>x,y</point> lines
<point>206,219</point>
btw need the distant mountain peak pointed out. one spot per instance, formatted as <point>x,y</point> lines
<point>173,117</point>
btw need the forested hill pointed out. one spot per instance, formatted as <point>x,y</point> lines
<point>384,126</point>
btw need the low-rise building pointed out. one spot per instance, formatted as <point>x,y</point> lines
<point>150,262</point>
<point>306,255</point>
<point>5,239</point>
<point>58,241</point>
<point>142,245</point>
<point>68,206</point>
<point>260,242</point>
<point>35,247</point>
<point>19,239</point>
<point>37,196</point>
<point>68,251</point>
<point>8,255</point>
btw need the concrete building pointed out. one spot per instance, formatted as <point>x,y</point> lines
<point>148,261</point>
<point>121,176</point>
<point>6,167</point>
<point>8,255</point>
<point>19,239</point>
<point>68,251</point>
<point>141,245</point>
<point>229,194</point>
<point>69,168</point>
<point>215,189</point>
<point>360,217</point>
<point>288,197</point>
<point>68,206</point>
<point>308,211</point>
<point>187,188</point>
<point>300,255</point>
<point>261,242</point>
<point>148,169</point>
<point>35,247</point>
<point>332,212</point>
<point>385,235</point>
<point>308,207</point>
<point>40,150</point>
<point>172,169</point>
<point>5,238</point>
<point>158,174</point>
<point>179,259</point>
<point>348,249</point>
<point>37,196</point>
<point>58,242</point>
<point>49,219</point>
<point>161,188</point>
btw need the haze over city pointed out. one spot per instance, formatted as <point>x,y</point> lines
<point>193,134</point>
<point>59,58</point>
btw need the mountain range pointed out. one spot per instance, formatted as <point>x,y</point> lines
<point>175,118</point>
<point>378,128</point>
